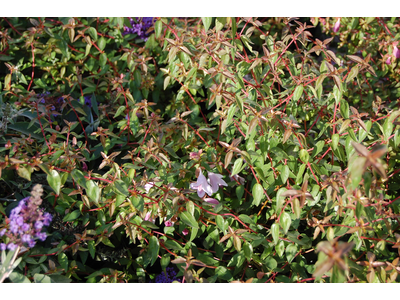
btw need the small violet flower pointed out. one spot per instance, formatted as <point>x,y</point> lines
<point>336,26</point>
<point>202,186</point>
<point>216,181</point>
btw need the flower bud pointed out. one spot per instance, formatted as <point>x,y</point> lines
<point>337,25</point>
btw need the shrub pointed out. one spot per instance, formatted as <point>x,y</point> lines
<point>231,149</point>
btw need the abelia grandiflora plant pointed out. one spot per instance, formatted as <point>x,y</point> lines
<point>304,125</point>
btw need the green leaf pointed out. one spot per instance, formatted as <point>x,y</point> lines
<point>93,191</point>
<point>335,141</point>
<point>304,156</point>
<point>337,94</point>
<point>102,59</point>
<point>246,219</point>
<point>158,28</point>
<point>248,250</point>
<point>275,232</point>
<point>63,260</point>
<point>206,22</point>
<point>221,223</point>
<point>271,263</point>
<point>170,244</point>
<point>285,221</point>
<point>92,248</point>
<point>72,216</point>
<point>237,166</point>
<point>41,278</point>
<point>121,187</point>
<point>296,208</point>
<point>79,177</point>
<point>18,278</point>
<point>188,219</point>
<point>102,43</point>
<point>291,251</point>
<point>154,246</point>
<point>54,181</point>
<point>356,171</point>
<point>284,174</point>
<point>93,33</point>
<point>298,92</point>
<point>258,194</point>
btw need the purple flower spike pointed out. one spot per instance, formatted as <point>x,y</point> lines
<point>216,181</point>
<point>201,186</point>
<point>337,25</point>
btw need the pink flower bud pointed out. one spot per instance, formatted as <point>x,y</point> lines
<point>396,52</point>
<point>211,201</point>
<point>388,61</point>
<point>185,231</point>
<point>337,25</point>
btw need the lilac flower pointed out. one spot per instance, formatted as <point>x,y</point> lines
<point>167,277</point>
<point>139,27</point>
<point>211,201</point>
<point>12,246</point>
<point>26,222</point>
<point>337,25</point>
<point>3,246</point>
<point>88,101</point>
<point>396,52</point>
<point>201,186</point>
<point>216,181</point>
<point>185,231</point>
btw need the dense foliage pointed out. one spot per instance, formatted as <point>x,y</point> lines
<point>199,149</point>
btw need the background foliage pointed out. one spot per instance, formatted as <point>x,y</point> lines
<point>297,115</point>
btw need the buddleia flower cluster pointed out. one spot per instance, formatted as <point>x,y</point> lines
<point>26,222</point>
<point>139,27</point>
<point>168,276</point>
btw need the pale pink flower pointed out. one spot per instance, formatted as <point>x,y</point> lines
<point>211,201</point>
<point>195,155</point>
<point>337,25</point>
<point>216,181</point>
<point>388,61</point>
<point>148,217</point>
<point>185,231</point>
<point>202,186</point>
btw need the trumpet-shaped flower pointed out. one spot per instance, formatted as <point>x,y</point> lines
<point>216,181</point>
<point>202,186</point>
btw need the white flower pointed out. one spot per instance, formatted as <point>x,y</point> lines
<point>202,186</point>
<point>215,181</point>
<point>148,186</point>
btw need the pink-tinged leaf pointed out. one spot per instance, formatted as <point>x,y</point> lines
<point>179,260</point>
